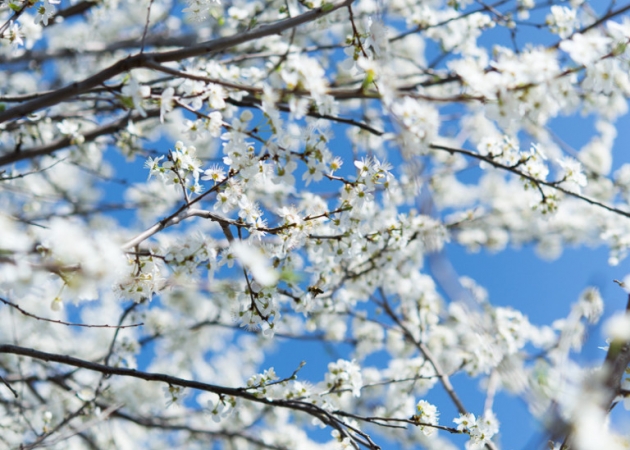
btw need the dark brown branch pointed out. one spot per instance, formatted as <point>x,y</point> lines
<point>54,54</point>
<point>64,142</point>
<point>428,354</point>
<point>444,379</point>
<point>513,169</point>
<point>140,60</point>
<point>326,417</point>
<point>122,371</point>
<point>61,322</point>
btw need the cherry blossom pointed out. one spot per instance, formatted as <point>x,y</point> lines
<point>194,193</point>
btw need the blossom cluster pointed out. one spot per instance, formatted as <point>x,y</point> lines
<point>480,429</point>
<point>308,166</point>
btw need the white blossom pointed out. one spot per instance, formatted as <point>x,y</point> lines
<point>426,414</point>
<point>263,204</point>
<point>562,20</point>
<point>254,259</point>
<point>344,375</point>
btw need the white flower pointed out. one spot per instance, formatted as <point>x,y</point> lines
<point>173,394</point>
<point>248,210</point>
<point>220,408</point>
<point>314,172</point>
<point>153,164</point>
<point>426,413</point>
<point>252,258</point>
<point>284,173</point>
<point>199,10</point>
<point>572,176</point>
<point>214,173</point>
<point>166,102</point>
<point>535,164</point>
<point>215,124</point>
<point>364,167</point>
<point>481,430</point>
<point>620,31</point>
<point>335,164</point>
<point>591,305</point>
<point>57,304</point>
<point>137,92</point>
<point>465,422</point>
<point>15,35</point>
<point>361,196</point>
<point>617,328</point>
<point>344,375</point>
<point>585,49</point>
<point>420,119</point>
<point>45,11</point>
<point>216,96</point>
<point>71,243</point>
<point>377,39</point>
<point>562,20</point>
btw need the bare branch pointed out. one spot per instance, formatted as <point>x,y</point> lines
<point>61,322</point>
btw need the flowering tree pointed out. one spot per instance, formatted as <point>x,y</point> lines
<point>139,305</point>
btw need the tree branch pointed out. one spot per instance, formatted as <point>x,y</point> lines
<point>141,60</point>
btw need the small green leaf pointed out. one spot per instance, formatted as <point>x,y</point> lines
<point>127,102</point>
<point>327,7</point>
<point>290,276</point>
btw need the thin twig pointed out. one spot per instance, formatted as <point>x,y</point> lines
<point>146,26</point>
<point>552,184</point>
<point>61,322</point>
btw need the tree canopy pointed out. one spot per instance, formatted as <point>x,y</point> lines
<point>188,186</point>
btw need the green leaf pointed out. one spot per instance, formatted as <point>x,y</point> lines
<point>290,276</point>
<point>127,102</point>
<point>327,7</point>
